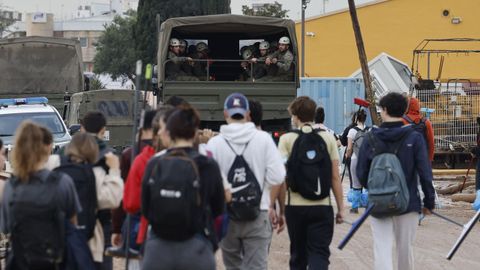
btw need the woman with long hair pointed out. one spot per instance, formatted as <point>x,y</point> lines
<point>171,243</point>
<point>83,150</point>
<point>37,201</point>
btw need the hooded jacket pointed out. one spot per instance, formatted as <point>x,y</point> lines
<point>414,114</point>
<point>261,155</point>
<point>413,157</point>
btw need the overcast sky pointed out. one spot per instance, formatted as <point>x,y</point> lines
<point>66,8</point>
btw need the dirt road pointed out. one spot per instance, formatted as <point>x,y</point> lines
<point>435,237</point>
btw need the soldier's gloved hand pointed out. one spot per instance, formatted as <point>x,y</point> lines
<point>268,61</point>
<point>274,60</point>
<point>253,60</point>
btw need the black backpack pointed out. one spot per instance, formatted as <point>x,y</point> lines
<point>246,191</point>
<point>420,127</point>
<point>343,137</point>
<point>174,197</point>
<point>38,233</point>
<point>85,184</point>
<point>309,168</point>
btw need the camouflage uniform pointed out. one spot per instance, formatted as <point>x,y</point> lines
<point>178,68</point>
<point>284,64</point>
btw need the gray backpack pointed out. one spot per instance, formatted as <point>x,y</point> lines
<point>358,139</point>
<point>387,186</point>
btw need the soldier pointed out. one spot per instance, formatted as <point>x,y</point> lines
<point>283,59</point>
<point>174,70</point>
<point>183,47</point>
<point>200,67</point>
<point>260,68</point>
<point>247,55</point>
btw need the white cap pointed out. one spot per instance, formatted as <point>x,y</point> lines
<point>264,45</point>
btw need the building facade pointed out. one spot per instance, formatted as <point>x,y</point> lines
<point>395,27</point>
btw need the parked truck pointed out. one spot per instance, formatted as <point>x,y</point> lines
<point>40,66</point>
<point>225,35</point>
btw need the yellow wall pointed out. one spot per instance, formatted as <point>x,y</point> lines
<point>395,27</point>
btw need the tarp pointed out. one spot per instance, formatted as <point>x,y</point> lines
<point>40,65</point>
<point>243,27</point>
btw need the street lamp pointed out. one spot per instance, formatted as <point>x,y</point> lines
<point>304,6</point>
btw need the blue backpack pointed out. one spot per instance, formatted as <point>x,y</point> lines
<point>387,186</point>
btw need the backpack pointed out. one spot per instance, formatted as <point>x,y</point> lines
<point>358,139</point>
<point>387,186</point>
<point>174,196</point>
<point>309,168</point>
<point>85,184</point>
<point>343,138</point>
<point>246,191</point>
<point>38,233</point>
<point>420,127</point>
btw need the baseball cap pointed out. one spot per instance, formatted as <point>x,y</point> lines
<point>236,103</point>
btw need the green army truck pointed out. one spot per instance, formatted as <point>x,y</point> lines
<point>225,36</point>
<point>116,105</point>
<point>40,66</point>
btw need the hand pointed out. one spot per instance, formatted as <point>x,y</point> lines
<point>244,65</point>
<point>339,217</point>
<point>274,60</point>
<point>189,59</point>
<point>253,60</point>
<point>426,211</point>
<point>272,214</point>
<point>116,239</point>
<point>472,154</point>
<point>268,61</point>
<point>112,161</point>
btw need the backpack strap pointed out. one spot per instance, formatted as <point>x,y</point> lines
<point>233,150</point>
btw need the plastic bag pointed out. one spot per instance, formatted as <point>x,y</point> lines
<point>476,203</point>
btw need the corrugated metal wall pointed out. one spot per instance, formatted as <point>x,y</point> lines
<point>335,95</point>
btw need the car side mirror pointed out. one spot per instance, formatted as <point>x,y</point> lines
<point>74,129</point>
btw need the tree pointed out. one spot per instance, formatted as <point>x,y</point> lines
<point>116,48</point>
<point>267,10</point>
<point>146,32</point>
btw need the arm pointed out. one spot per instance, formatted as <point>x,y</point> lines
<point>349,151</point>
<point>287,62</point>
<point>365,157</point>
<point>424,170</point>
<point>132,190</point>
<point>337,190</point>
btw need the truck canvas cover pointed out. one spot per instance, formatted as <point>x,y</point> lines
<point>40,65</point>
<point>243,27</point>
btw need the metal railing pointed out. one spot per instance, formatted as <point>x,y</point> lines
<point>456,105</point>
<point>209,63</point>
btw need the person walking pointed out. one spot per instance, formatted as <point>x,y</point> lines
<point>410,151</point>
<point>309,211</point>
<point>249,160</point>
<point>37,203</point>
<point>356,137</point>
<point>181,207</point>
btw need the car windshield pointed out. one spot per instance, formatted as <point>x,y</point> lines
<point>10,122</point>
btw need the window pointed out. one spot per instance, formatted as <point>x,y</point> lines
<point>10,122</point>
<point>83,42</point>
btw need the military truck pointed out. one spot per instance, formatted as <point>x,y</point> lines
<point>225,36</point>
<point>116,104</point>
<point>40,66</point>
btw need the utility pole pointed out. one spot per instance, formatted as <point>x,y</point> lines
<point>363,63</point>
<point>304,6</point>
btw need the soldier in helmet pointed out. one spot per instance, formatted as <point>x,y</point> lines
<point>245,74</point>
<point>283,59</point>
<point>260,68</point>
<point>174,68</point>
<point>200,67</point>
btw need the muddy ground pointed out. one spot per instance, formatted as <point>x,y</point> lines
<point>435,238</point>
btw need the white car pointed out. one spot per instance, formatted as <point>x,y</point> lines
<point>36,109</point>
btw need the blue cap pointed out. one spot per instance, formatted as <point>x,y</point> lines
<point>236,103</point>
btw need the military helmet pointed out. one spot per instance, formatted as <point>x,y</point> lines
<point>284,40</point>
<point>183,43</point>
<point>174,42</point>
<point>247,53</point>
<point>264,45</point>
<point>202,46</point>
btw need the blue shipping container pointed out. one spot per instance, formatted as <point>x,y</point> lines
<point>335,95</point>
